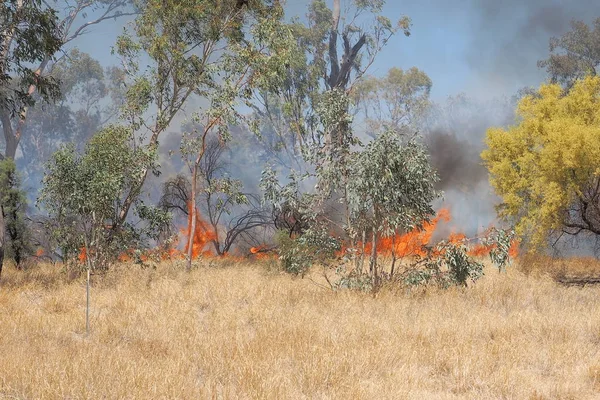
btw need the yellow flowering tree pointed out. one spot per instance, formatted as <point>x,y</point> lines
<point>547,167</point>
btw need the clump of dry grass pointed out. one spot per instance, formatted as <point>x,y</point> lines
<point>558,268</point>
<point>239,331</point>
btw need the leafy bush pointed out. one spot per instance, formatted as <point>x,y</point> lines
<point>314,247</point>
<point>83,195</point>
<point>391,189</point>
<point>500,241</point>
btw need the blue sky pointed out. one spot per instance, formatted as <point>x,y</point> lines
<point>486,48</point>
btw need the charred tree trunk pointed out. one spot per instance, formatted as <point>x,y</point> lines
<point>373,261</point>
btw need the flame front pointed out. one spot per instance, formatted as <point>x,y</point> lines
<point>414,243</point>
<point>202,236</point>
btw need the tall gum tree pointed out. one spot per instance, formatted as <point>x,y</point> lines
<point>311,111</point>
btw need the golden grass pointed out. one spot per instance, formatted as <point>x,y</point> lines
<point>576,267</point>
<point>241,332</point>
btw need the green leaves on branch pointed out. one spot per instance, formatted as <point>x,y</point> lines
<point>12,199</point>
<point>85,193</point>
<point>314,247</point>
<point>30,33</point>
<point>392,185</point>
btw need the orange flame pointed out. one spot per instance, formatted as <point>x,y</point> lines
<point>124,257</point>
<point>82,257</point>
<point>415,242</point>
<point>480,250</point>
<point>258,249</point>
<point>412,243</point>
<point>513,251</point>
<point>202,236</point>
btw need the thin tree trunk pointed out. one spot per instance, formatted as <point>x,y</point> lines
<point>393,255</point>
<point>373,262</point>
<point>2,230</point>
<point>362,251</point>
<point>193,216</point>
<point>194,188</point>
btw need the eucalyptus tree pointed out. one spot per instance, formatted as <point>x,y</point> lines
<point>28,32</point>
<point>32,32</point>
<point>248,64</point>
<point>574,55</point>
<point>396,101</point>
<point>392,189</point>
<point>332,51</point>
<point>216,51</point>
<point>312,110</point>
<point>89,99</point>
<point>83,193</point>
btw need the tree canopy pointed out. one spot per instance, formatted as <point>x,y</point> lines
<point>575,54</point>
<point>546,167</point>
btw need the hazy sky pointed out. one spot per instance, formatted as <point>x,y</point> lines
<point>485,48</point>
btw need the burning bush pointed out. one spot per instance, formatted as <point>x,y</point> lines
<point>389,216</point>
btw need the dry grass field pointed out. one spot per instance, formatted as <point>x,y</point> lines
<point>244,332</point>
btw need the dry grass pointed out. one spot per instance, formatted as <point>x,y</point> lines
<point>241,332</point>
<point>557,268</point>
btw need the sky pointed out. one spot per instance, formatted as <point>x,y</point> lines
<point>485,48</point>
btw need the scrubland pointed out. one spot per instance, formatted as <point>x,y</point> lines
<point>243,331</point>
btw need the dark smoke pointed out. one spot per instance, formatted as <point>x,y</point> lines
<point>454,135</point>
<point>456,160</point>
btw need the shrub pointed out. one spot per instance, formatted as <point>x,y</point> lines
<point>83,195</point>
<point>14,203</point>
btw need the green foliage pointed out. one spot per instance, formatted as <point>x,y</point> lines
<point>352,280</point>
<point>574,55</point>
<point>391,189</point>
<point>30,33</point>
<point>448,264</point>
<point>84,193</point>
<point>314,247</point>
<point>12,198</point>
<point>324,63</point>
<point>293,209</point>
<point>500,242</point>
<point>546,167</point>
<point>197,48</point>
<point>157,220</point>
<point>396,101</point>
<point>303,239</point>
<point>392,185</point>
